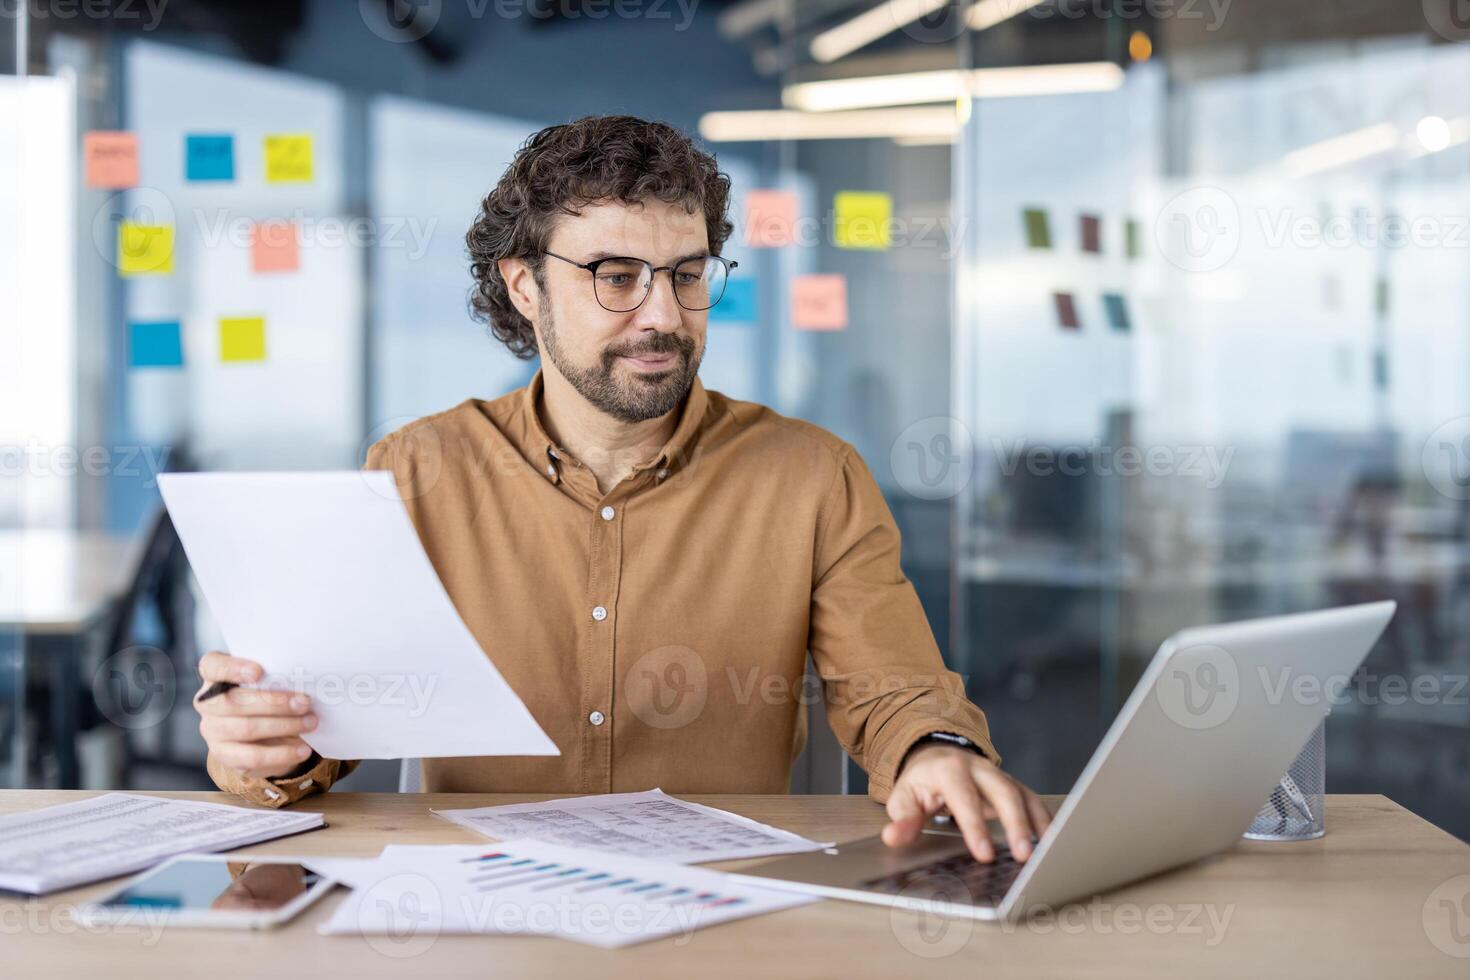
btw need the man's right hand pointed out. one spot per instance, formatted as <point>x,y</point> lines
<point>255,732</point>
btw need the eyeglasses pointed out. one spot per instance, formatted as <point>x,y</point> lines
<point>622,284</point>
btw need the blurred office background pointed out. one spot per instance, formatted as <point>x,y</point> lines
<point>1157,314</point>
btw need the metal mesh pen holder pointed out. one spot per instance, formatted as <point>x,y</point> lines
<point>1294,809</point>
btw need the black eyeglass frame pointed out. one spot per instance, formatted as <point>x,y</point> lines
<point>653,270</point>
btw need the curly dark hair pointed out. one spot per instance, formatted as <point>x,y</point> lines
<point>562,168</point>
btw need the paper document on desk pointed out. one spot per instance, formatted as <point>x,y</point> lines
<point>417,892</point>
<point>58,847</point>
<point>651,824</point>
<point>321,579</point>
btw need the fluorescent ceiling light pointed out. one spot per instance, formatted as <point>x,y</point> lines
<point>1434,134</point>
<point>910,88</point>
<point>787,124</point>
<point>988,13</point>
<point>895,15</point>
<point>936,140</point>
<point>945,85</point>
<point>869,26</point>
<point>1341,150</point>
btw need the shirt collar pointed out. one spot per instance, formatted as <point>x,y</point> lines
<point>531,435</point>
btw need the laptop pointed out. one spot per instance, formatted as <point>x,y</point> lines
<point>1213,723</point>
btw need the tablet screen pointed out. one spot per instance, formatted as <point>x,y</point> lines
<point>219,886</point>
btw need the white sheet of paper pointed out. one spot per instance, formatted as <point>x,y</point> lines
<point>518,887</point>
<point>115,834</point>
<point>650,824</point>
<point>320,577</point>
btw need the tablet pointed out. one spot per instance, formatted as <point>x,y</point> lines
<point>212,891</point>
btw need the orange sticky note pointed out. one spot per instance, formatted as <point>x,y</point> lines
<point>111,159</point>
<point>275,246</point>
<point>819,302</point>
<point>770,218</point>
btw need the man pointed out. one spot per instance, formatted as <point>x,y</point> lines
<point>648,562</point>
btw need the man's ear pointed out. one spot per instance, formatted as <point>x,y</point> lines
<point>521,285</point>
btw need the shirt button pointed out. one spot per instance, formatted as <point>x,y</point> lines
<point>551,470</point>
<point>596,718</point>
<point>661,474</point>
<point>608,513</point>
<point>599,613</point>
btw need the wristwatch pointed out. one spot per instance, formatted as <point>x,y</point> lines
<point>951,739</point>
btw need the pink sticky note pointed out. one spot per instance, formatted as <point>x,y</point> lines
<point>819,302</point>
<point>770,218</point>
<point>274,246</point>
<point>111,159</point>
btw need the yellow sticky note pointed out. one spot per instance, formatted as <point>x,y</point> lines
<point>242,338</point>
<point>861,219</point>
<point>288,158</point>
<point>145,250</point>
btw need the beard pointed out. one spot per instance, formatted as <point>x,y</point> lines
<point>634,398</point>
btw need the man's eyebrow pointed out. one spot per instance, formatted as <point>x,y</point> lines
<point>600,255</point>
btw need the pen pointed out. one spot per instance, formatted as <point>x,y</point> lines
<point>215,690</point>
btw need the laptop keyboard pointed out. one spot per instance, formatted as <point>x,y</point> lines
<point>944,879</point>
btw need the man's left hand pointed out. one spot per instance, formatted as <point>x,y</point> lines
<point>973,789</point>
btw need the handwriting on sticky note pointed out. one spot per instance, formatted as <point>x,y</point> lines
<point>288,158</point>
<point>275,246</point>
<point>145,250</point>
<point>819,302</point>
<point>862,219</point>
<point>770,218</point>
<point>242,338</point>
<point>111,159</point>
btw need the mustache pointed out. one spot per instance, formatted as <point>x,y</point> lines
<point>659,343</point>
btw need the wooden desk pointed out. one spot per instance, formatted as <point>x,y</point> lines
<point>1352,904</point>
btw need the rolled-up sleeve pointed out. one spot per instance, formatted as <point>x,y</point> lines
<point>279,791</point>
<point>885,683</point>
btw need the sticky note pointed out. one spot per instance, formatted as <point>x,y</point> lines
<point>209,157</point>
<point>738,305</point>
<point>288,158</point>
<point>145,250</point>
<point>275,246</point>
<point>1066,311</point>
<point>770,218</point>
<point>1038,230</point>
<point>862,219</point>
<point>1091,233</point>
<point>1380,296</point>
<point>242,338</point>
<point>111,159</point>
<point>1117,310</point>
<point>819,302</point>
<point>156,343</point>
<point>1133,235</point>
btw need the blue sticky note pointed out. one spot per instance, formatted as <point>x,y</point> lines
<point>156,343</point>
<point>209,157</point>
<point>1117,309</point>
<point>738,305</point>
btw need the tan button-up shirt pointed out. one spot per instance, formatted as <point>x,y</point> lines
<point>659,632</point>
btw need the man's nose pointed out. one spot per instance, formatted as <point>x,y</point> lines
<point>660,310</point>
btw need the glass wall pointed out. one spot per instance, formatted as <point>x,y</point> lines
<point>1211,352</point>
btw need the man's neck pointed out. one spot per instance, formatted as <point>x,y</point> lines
<point>610,448</point>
